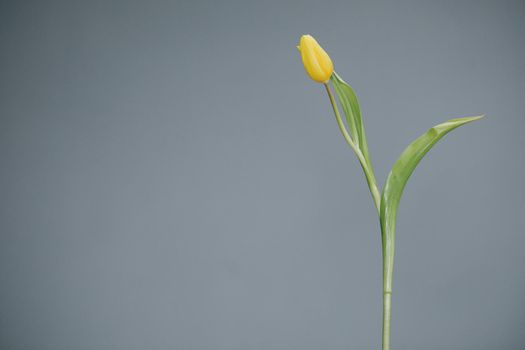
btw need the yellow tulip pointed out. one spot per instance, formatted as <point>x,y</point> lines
<point>316,61</point>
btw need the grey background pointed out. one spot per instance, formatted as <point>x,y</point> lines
<point>171,179</point>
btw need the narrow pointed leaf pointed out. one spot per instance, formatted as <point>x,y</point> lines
<point>350,104</point>
<point>396,182</point>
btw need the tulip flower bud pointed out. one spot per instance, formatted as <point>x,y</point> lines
<point>316,61</point>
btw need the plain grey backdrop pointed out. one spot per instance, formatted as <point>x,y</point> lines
<point>171,179</point>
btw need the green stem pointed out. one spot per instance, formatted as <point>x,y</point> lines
<point>387,312</point>
<point>387,244</point>
<point>370,178</point>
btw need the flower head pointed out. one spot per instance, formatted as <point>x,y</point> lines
<point>316,61</point>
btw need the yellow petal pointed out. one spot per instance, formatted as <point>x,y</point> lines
<point>316,61</point>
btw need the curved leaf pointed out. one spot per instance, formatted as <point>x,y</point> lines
<point>396,182</point>
<point>350,104</point>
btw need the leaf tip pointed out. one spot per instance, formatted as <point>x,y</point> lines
<point>462,121</point>
<point>472,119</point>
<point>478,117</point>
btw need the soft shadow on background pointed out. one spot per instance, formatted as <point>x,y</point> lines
<point>171,179</point>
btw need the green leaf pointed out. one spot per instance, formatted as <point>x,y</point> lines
<point>396,182</point>
<point>350,104</point>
